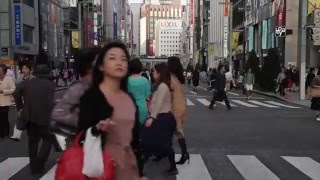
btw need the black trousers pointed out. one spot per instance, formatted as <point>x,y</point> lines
<point>220,96</point>
<point>39,154</point>
<point>4,122</point>
<point>157,139</point>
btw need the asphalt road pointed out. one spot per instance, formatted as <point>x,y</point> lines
<point>262,139</point>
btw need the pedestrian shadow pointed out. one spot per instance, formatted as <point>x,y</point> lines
<point>153,170</point>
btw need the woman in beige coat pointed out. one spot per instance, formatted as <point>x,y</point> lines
<point>178,104</point>
<point>7,87</point>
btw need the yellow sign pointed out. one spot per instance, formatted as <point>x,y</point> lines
<point>211,49</point>
<point>312,5</point>
<point>235,40</point>
<point>75,41</point>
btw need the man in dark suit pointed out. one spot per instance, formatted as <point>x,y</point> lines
<point>219,93</point>
<point>35,100</point>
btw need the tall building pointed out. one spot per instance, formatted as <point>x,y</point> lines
<point>149,15</point>
<point>167,41</point>
<point>19,27</point>
<point>135,8</point>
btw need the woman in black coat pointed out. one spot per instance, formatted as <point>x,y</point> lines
<point>110,110</point>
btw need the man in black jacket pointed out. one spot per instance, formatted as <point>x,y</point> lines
<point>219,93</point>
<point>35,100</point>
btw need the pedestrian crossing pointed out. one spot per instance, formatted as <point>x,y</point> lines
<point>249,167</point>
<point>202,101</point>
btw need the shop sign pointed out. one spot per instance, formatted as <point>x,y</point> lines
<point>280,31</point>
<point>4,52</point>
<point>17,24</point>
<point>264,34</point>
<point>225,37</point>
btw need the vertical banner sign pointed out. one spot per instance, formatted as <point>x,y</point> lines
<point>75,41</point>
<point>226,29</point>
<point>211,49</point>
<point>225,36</point>
<point>313,5</point>
<point>251,36</point>
<point>115,28</point>
<point>264,34</point>
<point>226,8</point>
<point>17,24</point>
<point>235,39</point>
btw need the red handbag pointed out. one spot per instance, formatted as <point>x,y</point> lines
<point>71,162</point>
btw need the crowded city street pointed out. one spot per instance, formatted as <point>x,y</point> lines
<point>263,138</point>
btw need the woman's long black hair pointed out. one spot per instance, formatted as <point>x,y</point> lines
<point>164,77</point>
<point>175,68</point>
<point>98,75</point>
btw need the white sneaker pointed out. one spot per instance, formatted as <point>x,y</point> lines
<point>318,119</point>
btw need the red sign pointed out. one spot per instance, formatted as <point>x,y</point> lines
<point>226,8</point>
<point>191,12</point>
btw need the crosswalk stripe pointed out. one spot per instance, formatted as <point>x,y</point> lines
<point>50,174</point>
<point>282,105</point>
<point>244,103</point>
<point>235,94</point>
<point>196,170</point>
<point>192,92</point>
<point>251,168</point>
<point>189,103</point>
<point>306,165</point>
<point>263,104</point>
<point>203,101</point>
<point>222,103</point>
<point>11,166</point>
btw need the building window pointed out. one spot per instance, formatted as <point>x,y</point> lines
<point>28,2</point>
<point>27,34</point>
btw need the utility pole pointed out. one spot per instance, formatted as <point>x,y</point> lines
<point>302,41</point>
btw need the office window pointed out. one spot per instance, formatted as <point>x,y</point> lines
<point>28,2</point>
<point>27,34</point>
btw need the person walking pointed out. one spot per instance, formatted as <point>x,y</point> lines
<point>7,87</point>
<point>311,75</point>
<point>157,138</point>
<point>249,82</point>
<point>65,113</point>
<point>109,109</point>
<point>26,71</point>
<point>140,89</point>
<point>220,89</point>
<point>178,104</point>
<point>195,79</point>
<point>35,100</point>
<point>315,102</point>
<point>203,79</point>
<point>281,81</point>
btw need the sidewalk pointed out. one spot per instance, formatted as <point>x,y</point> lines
<point>295,98</point>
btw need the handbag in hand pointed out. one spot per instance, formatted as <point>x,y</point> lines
<point>70,164</point>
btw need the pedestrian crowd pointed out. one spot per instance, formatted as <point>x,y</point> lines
<point>130,113</point>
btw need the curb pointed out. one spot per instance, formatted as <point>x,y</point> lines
<point>279,98</point>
